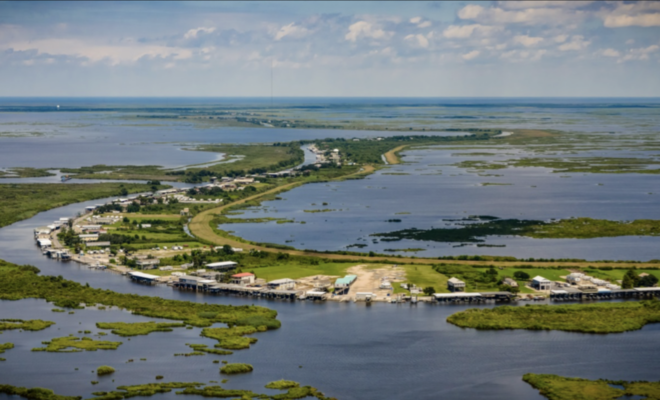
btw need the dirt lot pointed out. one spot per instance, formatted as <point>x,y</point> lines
<point>369,280</point>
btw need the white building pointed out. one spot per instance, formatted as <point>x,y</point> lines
<point>282,284</point>
<point>244,278</point>
<point>540,283</point>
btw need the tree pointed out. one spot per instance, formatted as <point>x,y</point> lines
<point>429,290</point>
<point>632,279</point>
<point>627,282</point>
<point>521,275</point>
<point>227,249</point>
<point>123,192</point>
<point>647,281</point>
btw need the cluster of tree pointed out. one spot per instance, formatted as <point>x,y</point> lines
<point>631,279</point>
<point>106,208</point>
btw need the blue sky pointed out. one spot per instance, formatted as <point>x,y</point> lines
<point>524,48</point>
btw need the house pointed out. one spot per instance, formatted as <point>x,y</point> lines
<point>222,265</point>
<point>345,282</point>
<point>510,282</point>
<point>244,278</point>
<point>455,285</point>
<point>148,263</point>
<point>282,284</point>
<point>540,283</point>
<point>184,212</point>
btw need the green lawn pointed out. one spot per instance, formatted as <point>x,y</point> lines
<point>422,276</point>
<point>295,271</point>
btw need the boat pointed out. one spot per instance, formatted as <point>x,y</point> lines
<point>65,178</point>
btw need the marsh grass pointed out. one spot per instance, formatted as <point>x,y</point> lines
<point>26,325</point>
<point>236,368</point>
<point>138,328</point>
<point>72,344</point>
<point>556,387</point>
<point>589,318</point>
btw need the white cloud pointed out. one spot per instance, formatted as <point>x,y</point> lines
<point>424,24</point>
<point>471,11</point>
<point>291,30</point>
<point>194,32</point>
<point>527,41</point>
<point>577,43</point>
<point>528,16</point>
<point>542,4</point>
<point>560,38</point>
<point>523,55</point>
<point>365,29</point>
<point>611,53</point>
<point>641,53</point>
<point>642,13</point>
<point>415,20</point>
<point>471,55</point>
<point>420,40</point>
<point>466,31</point>
<point>95,52</point>
<point>645,20</point>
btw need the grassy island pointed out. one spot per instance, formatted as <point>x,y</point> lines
<point>556,387</point>
<point>72,344</point>
<point>138,328</point>
<point>104,370</point>
<point>591,318</point>
<point>282,385</point>
<point>29,325</point>
<point>236,368</point>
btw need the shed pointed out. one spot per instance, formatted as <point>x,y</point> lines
<point>345,282</point>
<point>282,284</point>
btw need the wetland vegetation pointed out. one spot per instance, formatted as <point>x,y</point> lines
<point>236,368</point>
<point>25,325</point>
<point>556,387</point>
<point>586,318</point>
<point>138,328</point>
<point>572,228</point>
<point>24,200</point>
<point>18,282</point>
<point>72,344</point>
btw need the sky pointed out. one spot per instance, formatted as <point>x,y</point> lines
<point>325,49</point>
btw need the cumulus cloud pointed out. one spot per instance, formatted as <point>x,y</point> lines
<point>641,53</point>
<point>643,13</point>
<point>94,52</point>
<point>542,4</point>
<point>528,16</point>
<point>466,31</point>
<point>577,42</point>
<point>419,40</point>
<point>367,30</point>
<point>611,53</point>
<point>191,34</point>
<point>415,20</point>
<point>523,55</point>
<point>291,30</point>
<point>527,41</point>
<point>471,55</point>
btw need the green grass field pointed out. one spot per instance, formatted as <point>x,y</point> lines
<point>422,276</point>
<point>296,271</point>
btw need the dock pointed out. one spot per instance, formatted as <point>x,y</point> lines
<point>463,297</point>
